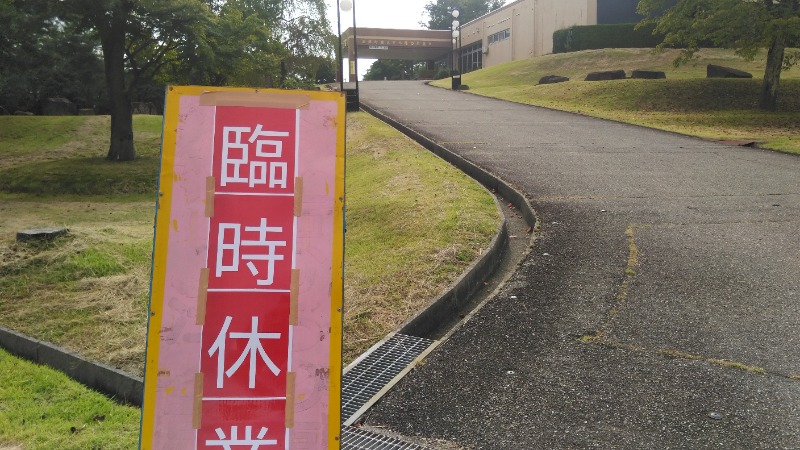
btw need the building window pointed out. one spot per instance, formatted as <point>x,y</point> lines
<point>472,57</point>
<point>500,36</point>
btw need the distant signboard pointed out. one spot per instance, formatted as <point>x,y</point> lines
<point>244,339</point>
<point>379,47</point>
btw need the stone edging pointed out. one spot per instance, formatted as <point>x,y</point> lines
<point>122,387</point>
<point>451,302</point>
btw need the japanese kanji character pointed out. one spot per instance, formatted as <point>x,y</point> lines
<point>275,174</point>
<point>252,349</point>
<point>227,443</point>
<point>225,245</point>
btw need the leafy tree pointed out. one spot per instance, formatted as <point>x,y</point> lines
<point>744,25</point>
<point>235,48</point>
<point>269,43</point>
<point>391,69</point>
<point>41,58</point>
<point>241,42</point>
<point>19,42</point>
<point>140,35</point>
<point>147,43</point>
<point>326,72</point>
<point>440,11</point>
<point>307,36</point>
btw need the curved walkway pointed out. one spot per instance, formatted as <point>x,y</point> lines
<point>660,307</point>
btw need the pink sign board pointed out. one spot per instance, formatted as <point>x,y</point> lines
<point>244,338</point>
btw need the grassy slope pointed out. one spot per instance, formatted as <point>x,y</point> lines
<point>686,102</point>
<point>61,164</point>
<point>41,408</point>
<point>414,224</point>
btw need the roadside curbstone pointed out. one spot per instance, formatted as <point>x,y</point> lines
<point>122,387</point>
<point>442,309</point>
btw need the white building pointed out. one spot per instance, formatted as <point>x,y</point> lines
<point>520,30</point>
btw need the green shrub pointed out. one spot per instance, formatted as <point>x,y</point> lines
<point>591,37</point>
<point>441,74</point>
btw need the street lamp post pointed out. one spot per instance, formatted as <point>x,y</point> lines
<point>340,62</point>
<point>352,103</point>
<point>456,28</point>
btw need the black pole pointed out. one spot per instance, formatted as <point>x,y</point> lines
<point>460,55</point>
<point>355,55</point>
<point>451,63</point>
<point>340,62</point>
<point>455,73</point>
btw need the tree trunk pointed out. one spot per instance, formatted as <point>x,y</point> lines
<point>772,75</point>
<point>121,147</point>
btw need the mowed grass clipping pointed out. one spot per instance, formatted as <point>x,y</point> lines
<point>686,102</point>
<point>88,291</point>
<point>414,224</point>
<point>42,409</point>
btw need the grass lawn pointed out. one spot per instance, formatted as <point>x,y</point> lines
<point>41,408</point>
<point>414,224</point>
<point>686,102</point>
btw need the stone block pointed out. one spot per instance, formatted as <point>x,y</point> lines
<point>648,74</point>
<point>713,71</point>
<point>606,75</point>
<point>23,113</point>
<point>41,234</point>
<point>552,79</point>
<point>58,107</point>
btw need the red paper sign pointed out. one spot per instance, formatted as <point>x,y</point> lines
<point>246,339</point>
<point>246,303</point>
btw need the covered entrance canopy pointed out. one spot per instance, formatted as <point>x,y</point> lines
<point>384,43</point>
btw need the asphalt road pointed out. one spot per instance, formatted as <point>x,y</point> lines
<point>660,307</point>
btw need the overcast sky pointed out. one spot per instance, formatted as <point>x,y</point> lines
<point>405,14</point>
<point>381,14</point>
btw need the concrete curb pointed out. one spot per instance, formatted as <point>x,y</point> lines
<point>449,304</point>
<point>120,386</point>
<point>446,306</point>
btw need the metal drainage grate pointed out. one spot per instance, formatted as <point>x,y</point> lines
<point>378,369</point>
<point>358,439</point>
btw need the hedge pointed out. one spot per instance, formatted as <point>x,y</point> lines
<point>589,37</point>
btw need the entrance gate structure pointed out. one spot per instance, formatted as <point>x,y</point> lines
<point>385,43</point>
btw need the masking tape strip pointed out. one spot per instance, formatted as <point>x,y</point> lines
<point>255,99</point>
<point>210,186</point>
<point>197,410</point>
<point>290,394</point>
<point>202,296</point>
<point>298,196</point>
<point>294,296</point>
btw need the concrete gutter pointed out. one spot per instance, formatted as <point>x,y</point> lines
<point>118,385</point>
<point>453,302</point>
